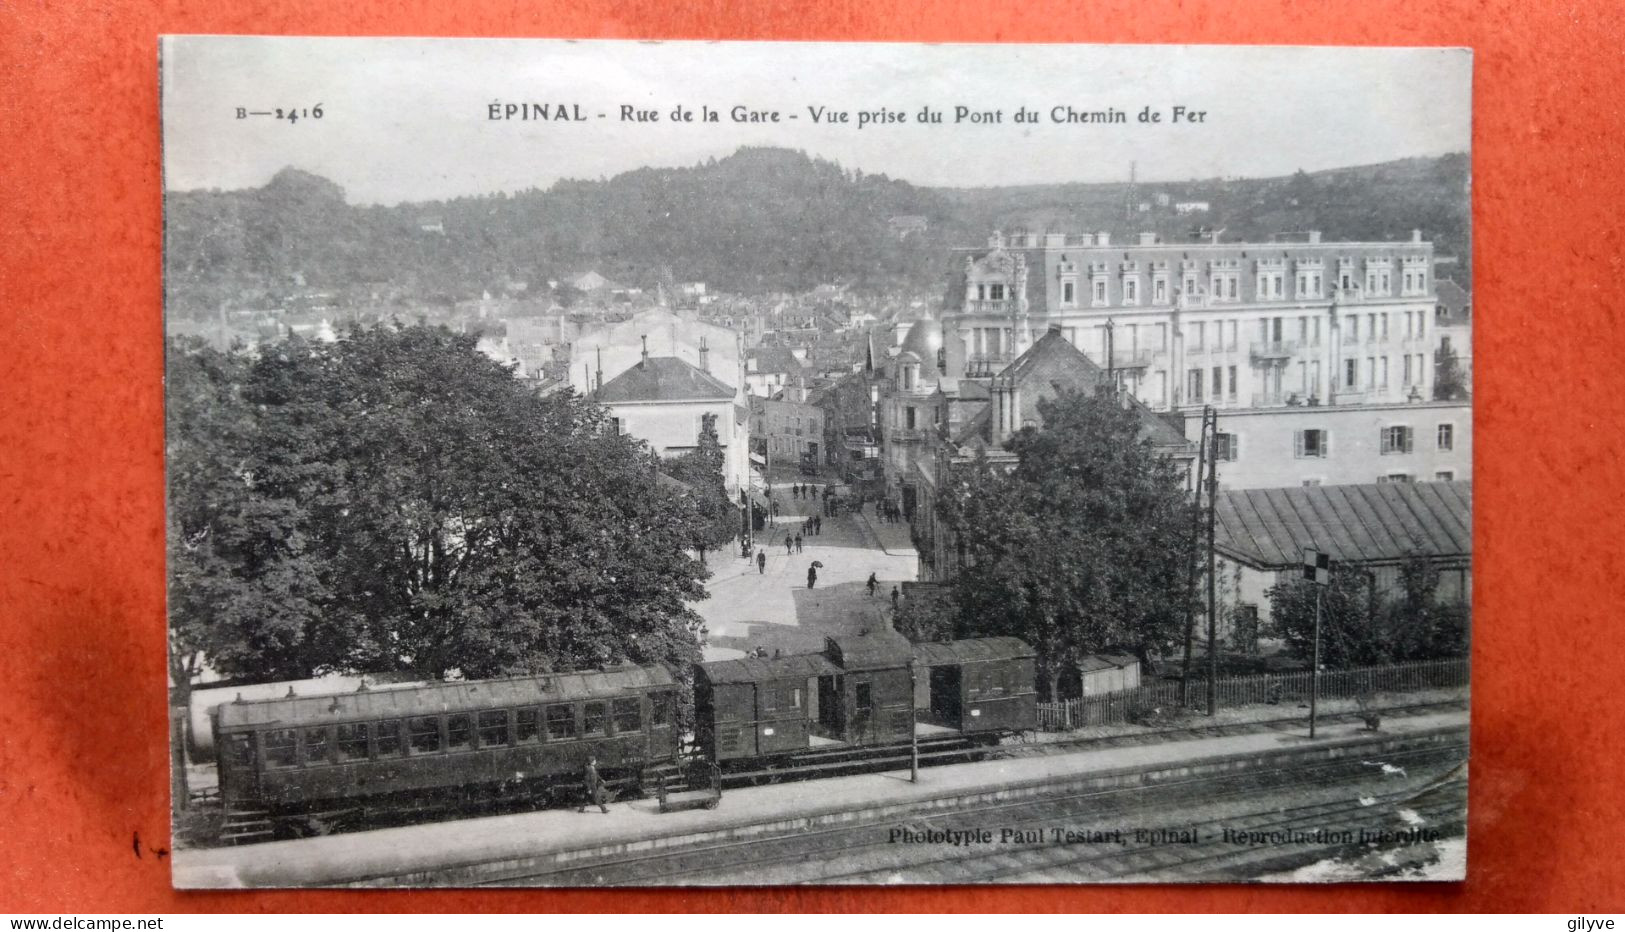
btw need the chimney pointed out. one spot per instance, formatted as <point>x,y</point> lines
<point>1314,236</point>
<point>600,385</point>
<point>645,358</point>
<point>1148,238</point>
<point>1103,238</point>
<point>1055,330</point>
<point>705,355</point>
<point>1416,236</point>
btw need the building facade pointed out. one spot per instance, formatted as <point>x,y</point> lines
<point>1268,448</point>
<point>668,403</point>
<point>790,433</point>
<point>1235,325</point>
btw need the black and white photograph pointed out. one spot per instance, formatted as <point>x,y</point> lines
<point>615,463</point>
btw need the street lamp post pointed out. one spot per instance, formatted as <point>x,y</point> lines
<point>913,732</point>
<point>1317,568</point>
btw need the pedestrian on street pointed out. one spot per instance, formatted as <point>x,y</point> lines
<point>872,584</point>
<point>798,543</point>
<point>789,545</point>
<point>818,524</point>
<point>895,595</point>
<point>761,562</point>
<point>812,576</point>
<point>595,788</point>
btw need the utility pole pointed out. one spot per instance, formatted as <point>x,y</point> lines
<point>1211,414</point>
<point>1111,370</point>
<point>1195,571</point>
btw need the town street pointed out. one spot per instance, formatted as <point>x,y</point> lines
<point>775,610</point>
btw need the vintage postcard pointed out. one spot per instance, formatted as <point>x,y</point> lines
<point>677,463</point>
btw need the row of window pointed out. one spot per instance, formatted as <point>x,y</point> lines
<point>1376,327</point>
<point>1413,368</point>
<point>435,734</point>
<point>1316,443</point>
<point>1442,475</point>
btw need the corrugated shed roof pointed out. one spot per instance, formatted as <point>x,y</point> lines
<point>758,669</point>
<point>971,650</point>
<point>1380,523</point>
<point>664,378</point>
<point>438,698</point>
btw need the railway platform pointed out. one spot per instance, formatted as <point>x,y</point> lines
<point>483,850</point>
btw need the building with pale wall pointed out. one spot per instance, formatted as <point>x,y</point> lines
<point>1235,325</point>
<point>668,402</point>
<point>1267,448</point>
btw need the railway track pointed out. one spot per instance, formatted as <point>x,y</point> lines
<point>826,764</point>
<point>1336,794</point>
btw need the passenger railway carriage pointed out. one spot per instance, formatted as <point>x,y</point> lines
<point>303,762</point>
<point>332,756</point>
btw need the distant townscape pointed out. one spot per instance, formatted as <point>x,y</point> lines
<point>774,413</point>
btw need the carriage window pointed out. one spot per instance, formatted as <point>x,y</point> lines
<point>493,729</point>
<point>561,722</point>
<point>628,716</point>
<point>389,739</point>
<point>592,718</point>
<point>459,732</point>
<point>526,725</point>
<point>352,742</point>
<point>281,747</point>
<point>423,734</point>
<point>660,709</point>
<point>316,745</point>
<point>239,751</point>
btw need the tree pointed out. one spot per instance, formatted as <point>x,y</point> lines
<point>1449,382</point>
<point>1080,549</point>
<point>1359,627</point>
<point>245,582</point>
<point>456,521</point>
<point>702,471</point>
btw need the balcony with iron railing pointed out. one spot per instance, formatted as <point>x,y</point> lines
<point>1272,350</point>
<point>989,306</point>
<point>1134,359</point>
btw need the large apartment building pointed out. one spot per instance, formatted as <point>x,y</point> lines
<point>1295,321</point>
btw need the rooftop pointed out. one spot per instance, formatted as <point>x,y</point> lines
<point>664,378</point>
<point>1369,524</point>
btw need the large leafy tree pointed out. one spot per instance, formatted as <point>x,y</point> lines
<point>1082,547</point>
<point>246,580</point>
<point>455,521</point>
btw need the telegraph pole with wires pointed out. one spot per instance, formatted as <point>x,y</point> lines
<point>1203,451</point>
<point>1210,416</point>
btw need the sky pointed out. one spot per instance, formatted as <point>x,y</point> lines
<point>409,119</point>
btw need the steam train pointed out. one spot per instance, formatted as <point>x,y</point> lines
<point>302,763</point>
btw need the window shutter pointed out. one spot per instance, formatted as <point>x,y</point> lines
<point>1298,444</point>
<point>1325,443</point>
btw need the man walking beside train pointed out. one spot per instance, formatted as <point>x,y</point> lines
<point>595,788</point>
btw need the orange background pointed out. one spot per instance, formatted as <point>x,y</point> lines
<point>82,752</point>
